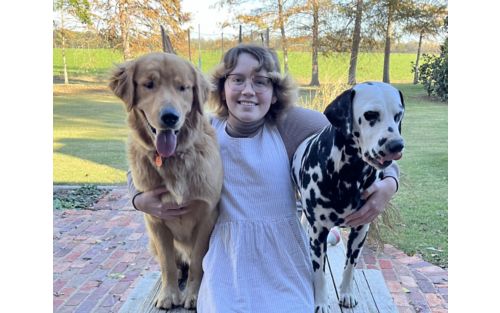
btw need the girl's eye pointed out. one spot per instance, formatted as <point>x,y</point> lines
<point>149,85</point>
<point>183,88</point>
<point>371,115</point>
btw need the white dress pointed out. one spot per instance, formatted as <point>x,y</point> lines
<point>258,258</point>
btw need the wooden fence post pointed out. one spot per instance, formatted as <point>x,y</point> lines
<point>165,40</point>
<point>189,43</point>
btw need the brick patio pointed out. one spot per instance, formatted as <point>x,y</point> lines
<point>101,254</point>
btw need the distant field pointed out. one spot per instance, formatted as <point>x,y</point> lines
<point>87,65</point>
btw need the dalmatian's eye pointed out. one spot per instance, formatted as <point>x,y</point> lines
<point>371,116</point>
<point>397,117</point>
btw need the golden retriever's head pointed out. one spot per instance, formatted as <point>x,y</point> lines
<point>165,90</point>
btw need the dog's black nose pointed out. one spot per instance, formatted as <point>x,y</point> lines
<point>395,146</point>
<point>169,117</point>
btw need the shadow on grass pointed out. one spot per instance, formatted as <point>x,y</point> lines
<point>86,112</point>
<point>107,152</point>
<point>82,79</point>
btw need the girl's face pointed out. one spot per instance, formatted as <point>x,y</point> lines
<point>248,94</point>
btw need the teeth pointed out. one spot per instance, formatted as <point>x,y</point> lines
<point>247,103</point>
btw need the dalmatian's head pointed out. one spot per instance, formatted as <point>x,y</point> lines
<point>371,113</point>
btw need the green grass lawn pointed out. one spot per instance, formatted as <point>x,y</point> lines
<point>89,136</point>
<point>86,65</point>
<point>423,195</point>
<point>89,148</point>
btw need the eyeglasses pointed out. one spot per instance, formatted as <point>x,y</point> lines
<point>237,82</point>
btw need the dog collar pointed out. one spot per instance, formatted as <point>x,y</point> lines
<point>158,160</point>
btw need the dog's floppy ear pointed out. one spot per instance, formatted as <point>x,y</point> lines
<point>403,104</point>
<point>339,112</point>
<point>122,83</point>
<point>200,91</point>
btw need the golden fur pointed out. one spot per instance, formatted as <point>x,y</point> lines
<point>193,174</point>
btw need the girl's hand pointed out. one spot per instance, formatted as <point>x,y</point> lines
<point>150,202</point>
<point>377,196</point>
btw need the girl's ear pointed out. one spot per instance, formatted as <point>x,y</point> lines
<point>274,99</point>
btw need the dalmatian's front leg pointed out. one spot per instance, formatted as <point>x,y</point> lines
<point>317,240</point>
<point>355,243</point>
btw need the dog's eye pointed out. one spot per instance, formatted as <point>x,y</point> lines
<point>149,85</point>
<point>183,88</point>
<point>371,115</point>
<point>397,117</point>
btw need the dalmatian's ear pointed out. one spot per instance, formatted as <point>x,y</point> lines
<point>339,112</point>
<point>403,104</point>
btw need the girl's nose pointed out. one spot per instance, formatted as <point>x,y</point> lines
<point>248,90</point>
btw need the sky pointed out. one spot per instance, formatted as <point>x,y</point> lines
<point>209,18</point>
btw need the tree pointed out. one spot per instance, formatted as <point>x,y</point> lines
<point>137,23</point>
<point>79,9</point>
<point>388,34</point>
<point>385,15</point>
<point>315,43</point>
<point>427,20</point>
<point>281,23</point>
<point>356,39</point>
<point>271,12</point>
<point>124,22</point>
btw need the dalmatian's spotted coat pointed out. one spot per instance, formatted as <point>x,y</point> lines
<point>332,168</point>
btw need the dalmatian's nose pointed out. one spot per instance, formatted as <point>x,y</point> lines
<point>395,146</point>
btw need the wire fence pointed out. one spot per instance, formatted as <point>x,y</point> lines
<point>90,57</point>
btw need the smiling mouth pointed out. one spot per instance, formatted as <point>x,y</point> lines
<point>247,103</point>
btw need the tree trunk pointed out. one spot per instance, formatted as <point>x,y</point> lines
<point>387,51</point>
<point>356,39</point>
<point>283,35</point>
<point>315,44</point>
<point>124,24</point>
<point>63,49</point>
<point>415,77</point>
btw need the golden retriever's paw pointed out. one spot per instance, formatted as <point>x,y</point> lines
<point>167,299</point>
<point>190,301</point>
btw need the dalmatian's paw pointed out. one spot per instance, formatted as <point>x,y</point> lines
<point>322,308</point>
<point>347,300</point>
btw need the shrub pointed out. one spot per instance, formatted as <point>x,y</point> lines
<point>434,71</point>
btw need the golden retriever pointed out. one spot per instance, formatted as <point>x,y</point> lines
<point>172,144</point>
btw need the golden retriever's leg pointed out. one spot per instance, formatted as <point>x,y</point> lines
<point>162,239</point>
<point>200,248</point>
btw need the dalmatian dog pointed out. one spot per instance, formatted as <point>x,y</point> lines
<point>332,168</point>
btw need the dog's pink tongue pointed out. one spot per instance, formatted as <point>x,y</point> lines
<point>391,157</point>
<point>166,142</point>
